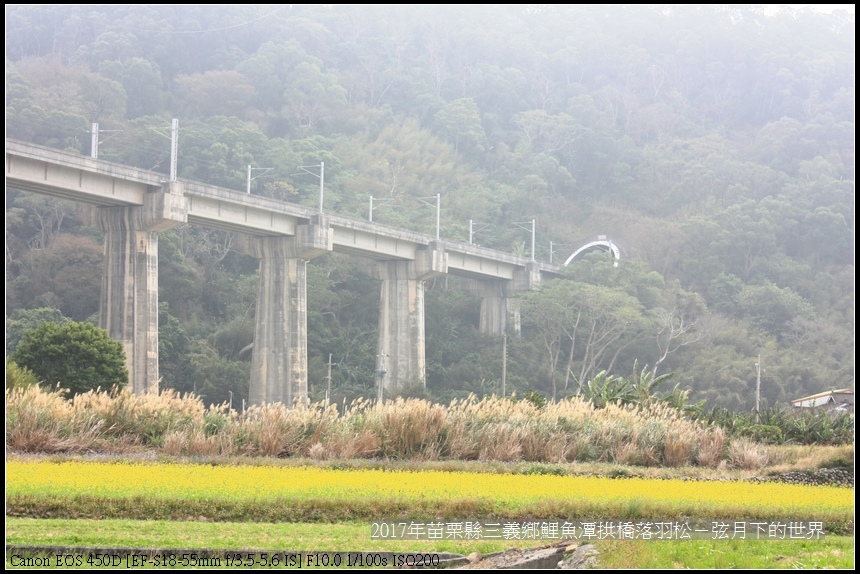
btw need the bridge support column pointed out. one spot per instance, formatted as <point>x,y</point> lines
<point>500,310</point>
<point>129,299</point>
<point>400,350</point>
<point>279,365</point>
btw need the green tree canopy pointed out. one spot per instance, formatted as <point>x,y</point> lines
<point>77,356</point>
<point>23,320</point>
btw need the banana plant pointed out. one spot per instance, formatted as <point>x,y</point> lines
<point>603,389</point>
<point>644,384</point>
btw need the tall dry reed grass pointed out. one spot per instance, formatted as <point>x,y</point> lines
<point>493,429</point>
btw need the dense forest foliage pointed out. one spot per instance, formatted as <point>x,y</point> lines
<point>713,144</point>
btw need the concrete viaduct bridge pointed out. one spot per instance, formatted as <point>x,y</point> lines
<point>132,206</point>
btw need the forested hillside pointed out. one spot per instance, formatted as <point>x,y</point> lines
<point>713,144</point>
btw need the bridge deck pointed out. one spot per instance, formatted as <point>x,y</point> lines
<point>43,170</point>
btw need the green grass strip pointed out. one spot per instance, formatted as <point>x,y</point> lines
<point>833,552</point>
<point>304,537</point>
<point>327,511</point>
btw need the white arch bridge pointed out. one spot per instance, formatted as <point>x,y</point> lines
<point>602,244</point>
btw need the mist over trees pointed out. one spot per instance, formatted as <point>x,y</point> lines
<point>713,144</point>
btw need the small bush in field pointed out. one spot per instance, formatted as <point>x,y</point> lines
<point>19,377</point>
<point>768,434</point>
<point>745,454</point>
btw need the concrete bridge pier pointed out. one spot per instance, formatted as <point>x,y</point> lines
<point>279,365</point>
<point>400,349</point>
<point>129,297</point>
<point>500,310</point>
<point>500,313</point>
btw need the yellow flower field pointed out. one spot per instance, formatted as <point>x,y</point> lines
<point>206,482</point>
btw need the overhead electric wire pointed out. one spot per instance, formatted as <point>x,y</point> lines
<point>126,145</point>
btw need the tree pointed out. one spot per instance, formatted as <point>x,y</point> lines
<point>611,320</point>
<point>675,327</point>
<point>66,276</point>
<point>77,356</point>
<point>23,320</point>
<point>292,86</point>
<point>552,313</point>
<point>215,93</point>
<point>219,149</point>
<point>80,96</point>
<point>772,308</point>
<point>460,123</point>
<point>593,322</point>
<point>142,82</point>
<point>548,133</point>
<point>216,378</point>
<point>173,345</point>
<point>42,217</point>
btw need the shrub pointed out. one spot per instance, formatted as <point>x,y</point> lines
<point>837,462</point>
<point>19,377</point>
<point>710,446</point>
<point>678,449</point>
<point>77,356</point>
<point>535,398</point>
<point>747,455</point>
<point>768,434</point>
<point>780,425</point>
